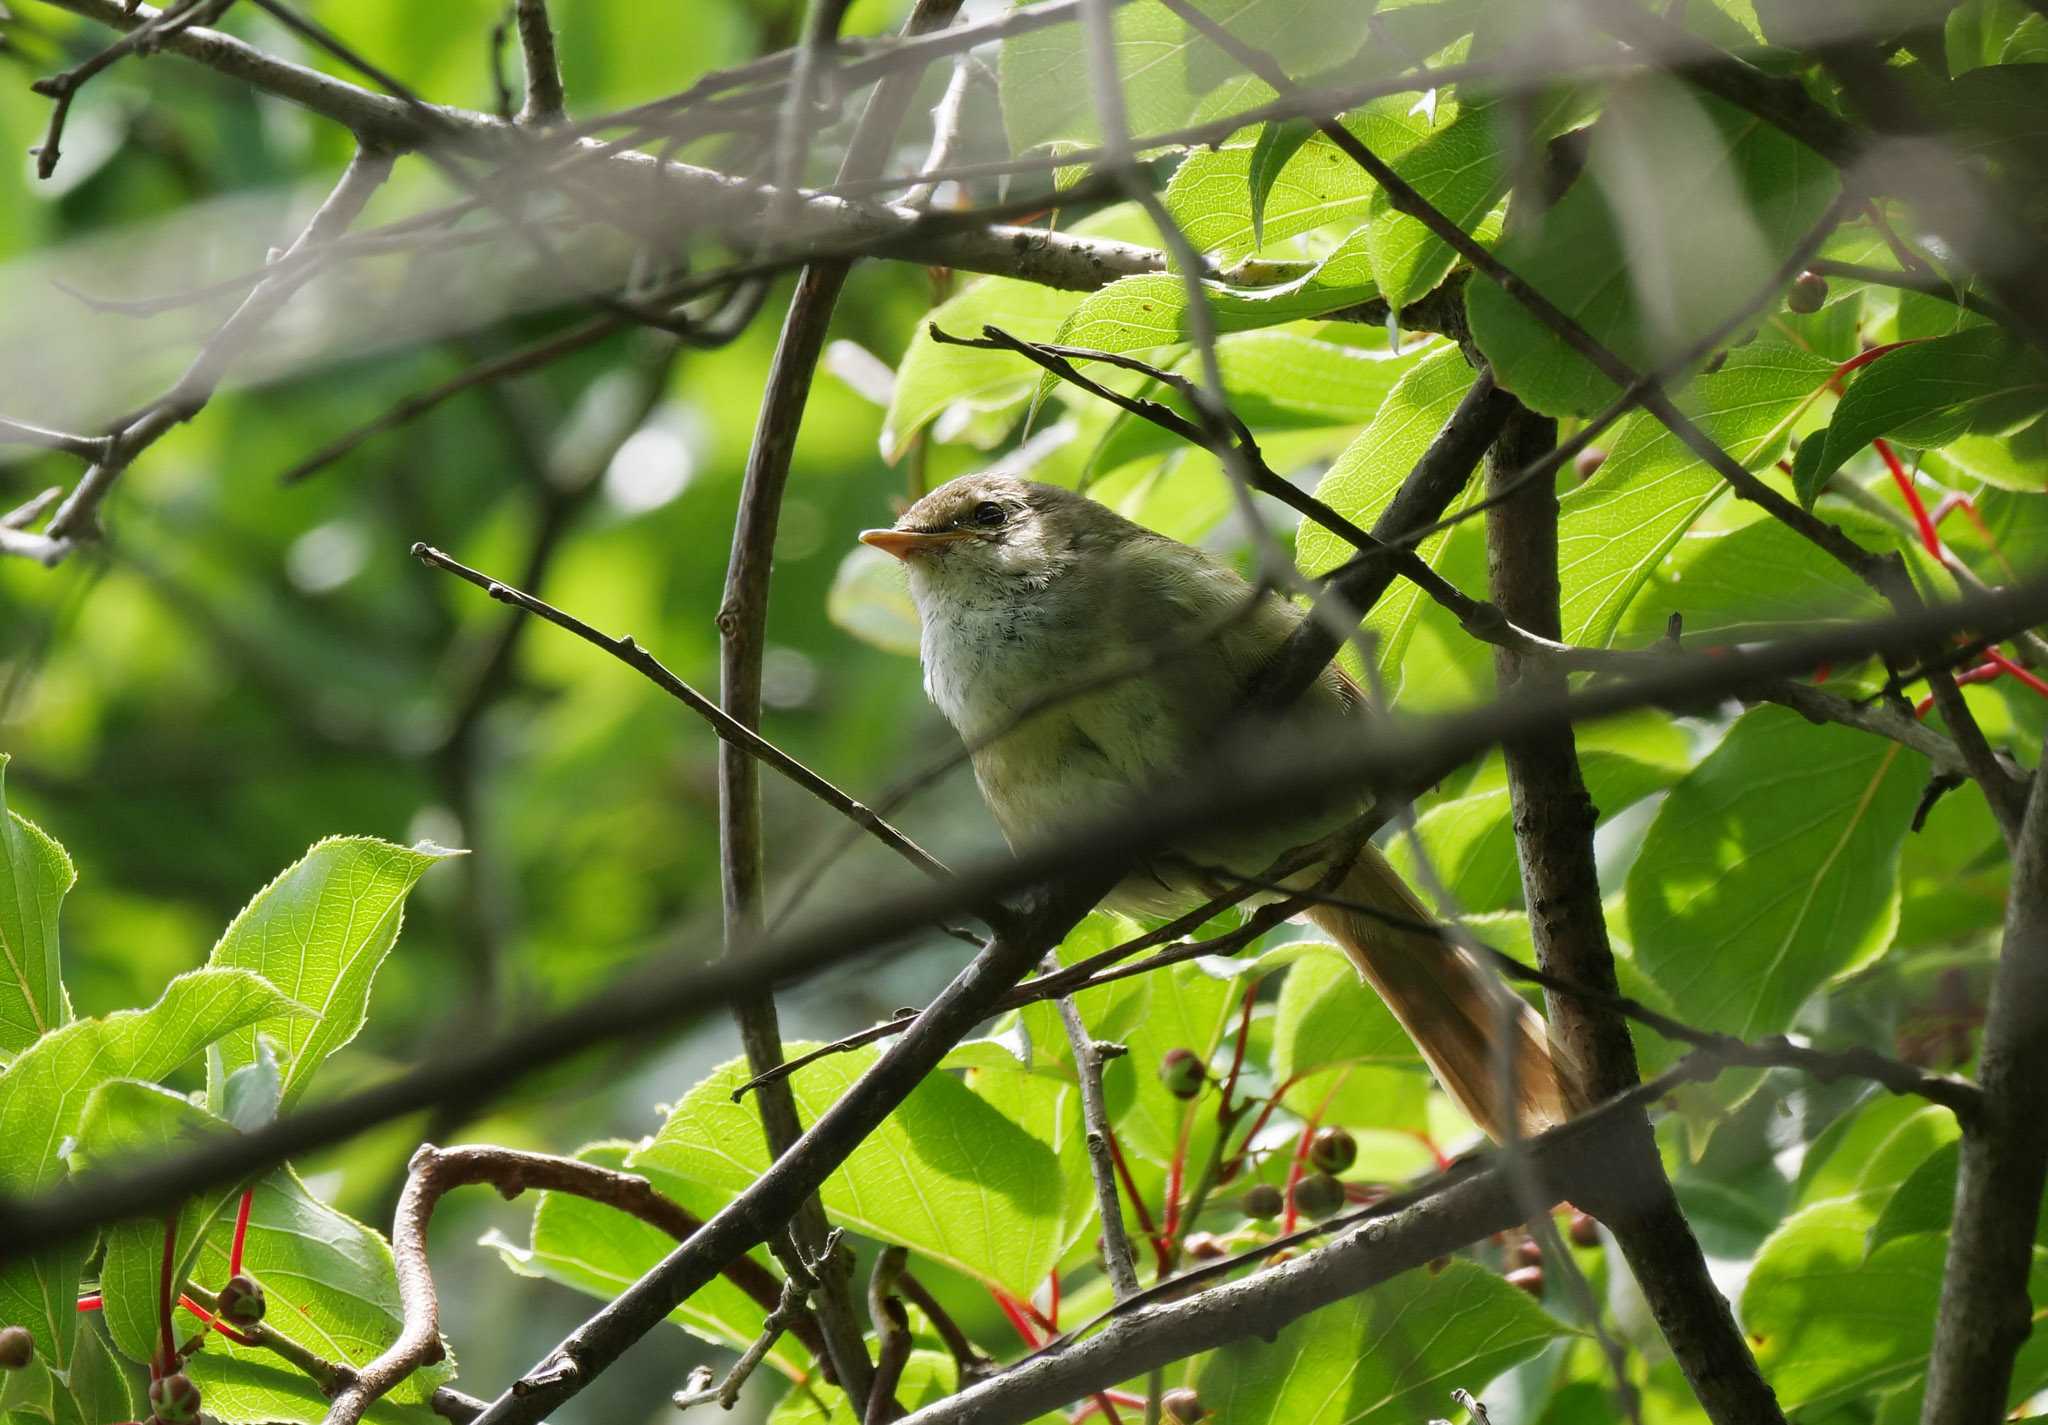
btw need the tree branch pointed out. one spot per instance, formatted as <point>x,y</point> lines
<point>1554,819</point>
<point>543,71</point>
<point>1985,1313</point>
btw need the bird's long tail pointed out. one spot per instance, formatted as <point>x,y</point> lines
<point>1440,995</point>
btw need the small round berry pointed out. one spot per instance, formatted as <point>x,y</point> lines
<point>1182,1405</point>
<point>1334,1150</point>
<point>174,1400</point>
<point>1529,1279</point>
<point>241,1300</point>
<point>1587,462</point>
<point>17,1348</point>
<point>1262,1201</point>
<point>1585,1231</point>
<point>1529,1252</point>
<point>1206,1247</point>
<point>1182,1073</point>
<point>1807,294</point>
<point>1318,1195</point>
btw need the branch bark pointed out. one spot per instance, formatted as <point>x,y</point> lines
<point>1553,818</point>
<point>1985,1313</point>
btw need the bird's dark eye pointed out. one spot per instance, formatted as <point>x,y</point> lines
<point>989,515</point>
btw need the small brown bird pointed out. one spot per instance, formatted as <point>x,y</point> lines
<point>1024,588</point>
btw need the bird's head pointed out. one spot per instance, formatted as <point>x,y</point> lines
<point>989,537</point>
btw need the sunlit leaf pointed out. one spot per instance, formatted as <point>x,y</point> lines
<point>945,1174</point>
<point>319,932</point>
<point>34,875</point>
<point>1393,1354</point>
<point>1772,868</point>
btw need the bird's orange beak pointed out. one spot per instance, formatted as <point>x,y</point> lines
<point>905,542</point>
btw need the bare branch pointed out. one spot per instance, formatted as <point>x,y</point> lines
<point>1088,1061</point>
<point>543,71</point>
<point>433,1172</point>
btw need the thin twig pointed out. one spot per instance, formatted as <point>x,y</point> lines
<point>543,71</point>
<point>1088,1061</point>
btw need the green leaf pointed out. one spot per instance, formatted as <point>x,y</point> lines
<point>1179,1008</point>
<point>1865,1154</point>
<point>945,1174</point>
<point>1471,843</point>
<point>1317,185</point>
<point>319,932</point>
<point>1164,65</point>
<point>1771,869</point>
<point>1391,1355</point>
<point>1340,1051</point>
<point>1830,1325</point>
<point>1684,210</point>
<point>1757,580</point>
<point>1364,479</point>
<point>1976,381</point>
<point>332,1288</point>
<point>43,1094</point>
<point>1278,141</point>
<point>602,1251</point>
<point>1613,530</point>
<point>1150,312</point>
<point>933,379</point>
<point>1277,380</point>
<point>97,1390</point>
<point>1924,1202</point>
<point>34,875</point>
<point>130,1121</point>
<point>1460,168</point>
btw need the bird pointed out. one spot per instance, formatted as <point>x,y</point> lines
<point>1024,589</point>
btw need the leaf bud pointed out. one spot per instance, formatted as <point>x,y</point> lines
<point>1333,1150</point>
<point>174,1400</point>
<point>1182,1073</point>
<point>1262,1201</point>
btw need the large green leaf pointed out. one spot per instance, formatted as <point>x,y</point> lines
<point>43,1094</point>
<point>129,1121</point>
<point>319,932</point>
<point>332,1288</point>
<point>1830,1324</point>
<point>1613,529</point>
<point>933,379</point>
<point>34,875</point>
<point>1340,1053</point>
<point>1278,380</point>
<point>1771,869</point>
<point>1391,1355</point>
<point>1165,66</point>
<point>1686,207</point>
<point>1364,479</point>
<point>1179,1008</point>
<point>1977,381</point>
<point>945,1174</point>
<point>602,1251</point>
